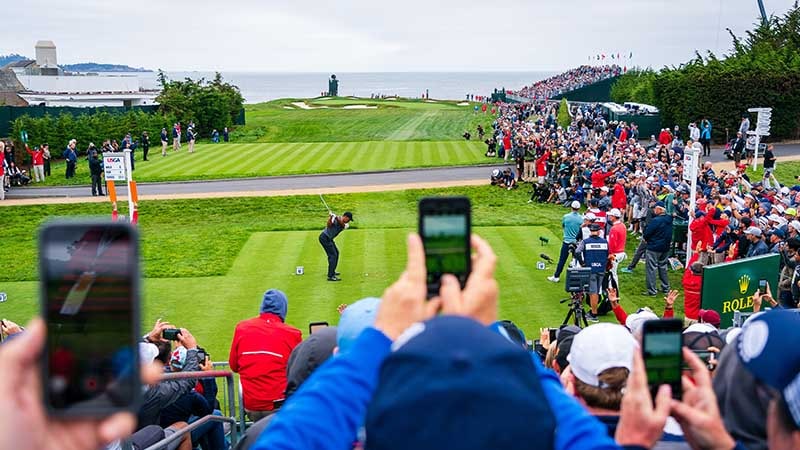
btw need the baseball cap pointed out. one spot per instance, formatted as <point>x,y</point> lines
<point>795,224</point>
<point>589,216</point>
<point>604,188</point>
<point>768,349</point>
<point>636,321</point>
<point>594,227</point>
<point>463,376</point>
<point>614,212</point>
<point>575,204</point>
<point>779,232</point>
<point>354,319</point>
<point>660,204</point>
<point>600,347</point>
<point>755,231</point>
<point>178,357</point>
<point>773,218</point>
<point>710,316</point>
<point>349,215</point>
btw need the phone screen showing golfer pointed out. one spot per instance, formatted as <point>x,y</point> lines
<point>89,300</point>
<point>444,225</point>
<point>662,342</point>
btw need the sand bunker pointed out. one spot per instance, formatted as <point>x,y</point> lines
<point>287,107</point>
<point>430,101</point>
<point>463,104</point>
<point>359,107</point>
<point>303,105</point>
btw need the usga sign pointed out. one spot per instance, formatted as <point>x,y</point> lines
<point>114,166</point>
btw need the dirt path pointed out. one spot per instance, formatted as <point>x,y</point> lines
<point>271,193</point>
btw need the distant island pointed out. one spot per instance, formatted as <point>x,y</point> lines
<point>80,67</point>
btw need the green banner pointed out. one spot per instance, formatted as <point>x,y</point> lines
<point>729,287</point>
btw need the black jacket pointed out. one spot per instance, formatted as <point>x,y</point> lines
<point>95,166</point>
<point>658,233</point>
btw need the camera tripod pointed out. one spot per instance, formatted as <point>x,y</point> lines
<point>576,311</point>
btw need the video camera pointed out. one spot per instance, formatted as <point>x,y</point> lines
<point>577,279</point>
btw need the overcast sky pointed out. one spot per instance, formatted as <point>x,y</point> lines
<point>375,35</point>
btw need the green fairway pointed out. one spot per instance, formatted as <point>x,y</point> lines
<point>207,262</point>
<point>214,161</point>
<point>282,139</point>
<point>392,120</point>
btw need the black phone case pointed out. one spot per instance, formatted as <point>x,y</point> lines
<point>453,205</point>
<point>93,411</point>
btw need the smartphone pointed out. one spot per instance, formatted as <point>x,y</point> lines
<point>553,332</point>
<point>762,286</point>
<point>706,356</point>
<point>171,334</point>
<point>445,228</point>
<point>661,347</point>
<point>89,295</point>
<point>315,326</point>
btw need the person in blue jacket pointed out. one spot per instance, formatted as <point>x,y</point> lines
<point>449,382</point>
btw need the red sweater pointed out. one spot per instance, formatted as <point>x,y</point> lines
<point>622,316</point>
<point>616,238</point>
<point>259,353</point>
<point>599,178</point>
<point>692,285</point>
<point>38,156</point>
<point>541,164</point>
<point>618,198</point>
<point>701,232</point>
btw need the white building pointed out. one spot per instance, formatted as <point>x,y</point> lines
<point>45,83</point>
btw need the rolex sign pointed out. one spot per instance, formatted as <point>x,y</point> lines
<point>729,287</point>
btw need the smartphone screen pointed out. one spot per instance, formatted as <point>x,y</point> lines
<point>316,326</point>
<point>762,286</point>
<point>89,294</point>
<point>444,225</point>
<point>661,347</point>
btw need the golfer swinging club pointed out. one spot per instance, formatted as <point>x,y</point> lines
<point>336,224</point>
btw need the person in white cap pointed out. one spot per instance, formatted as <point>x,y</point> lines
<point>617,237</point>
<point>600,360</point>
<point>571,224</point>
<point>757,245</point>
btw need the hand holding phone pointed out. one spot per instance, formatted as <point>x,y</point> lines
<point>445,229</point>
<point>89,276</point>
<point>662,347</point>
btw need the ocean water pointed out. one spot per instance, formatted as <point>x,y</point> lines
<point>259,87</point>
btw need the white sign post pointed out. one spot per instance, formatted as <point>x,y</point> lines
<point>691,157</point>
<point>762,129</point>
<point>114,166</point>
<point>129,171</point>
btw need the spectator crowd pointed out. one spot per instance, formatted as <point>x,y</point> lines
<point>474,381</point>
<point>568,81</point>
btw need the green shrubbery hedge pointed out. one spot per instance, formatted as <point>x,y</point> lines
<point>763,70</point>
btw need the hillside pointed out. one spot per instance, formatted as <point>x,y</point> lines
<point>79,67</point>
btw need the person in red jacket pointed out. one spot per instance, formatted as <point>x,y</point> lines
<point>664,138</point>
<point>599,177</point>
<point>692,286</point>
<point>541,167</point>
<point>618,198</point>
<point>38,162</point>
<point>623,135</point>
<point>702,236</point>
<point>259,354</point>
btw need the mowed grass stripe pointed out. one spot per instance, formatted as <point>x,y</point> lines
<point>346,159</point>
<point>264,165</point>
<point>305,154</point>
<point>200,163</point>
<point>328,155</point>
<point>288,158</point>
<point>235,161</point>
<point>394,153</point>
<point>375,155</point>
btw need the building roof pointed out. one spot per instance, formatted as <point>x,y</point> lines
<point>45,44</point>
<point>9,82</point>
<point>12,99</point>
<point>21,64</point>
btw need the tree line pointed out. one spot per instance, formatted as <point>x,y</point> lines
<point>762,70</point>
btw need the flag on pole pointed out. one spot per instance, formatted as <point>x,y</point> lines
<point>625,69</point>
<point>612,56</point>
